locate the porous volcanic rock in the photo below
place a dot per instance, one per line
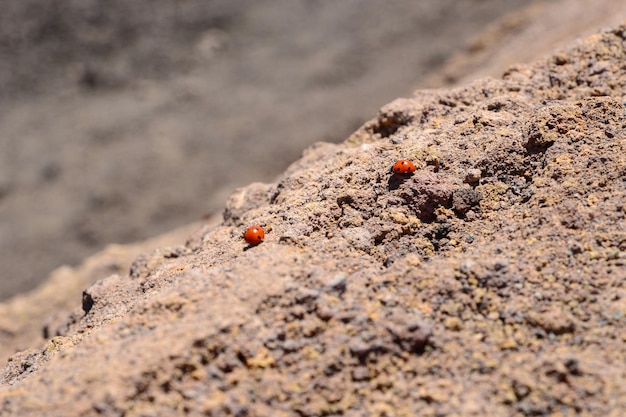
(491, 282)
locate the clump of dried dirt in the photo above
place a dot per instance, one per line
(490, 282)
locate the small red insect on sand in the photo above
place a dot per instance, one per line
(403, 166)
(254, 235)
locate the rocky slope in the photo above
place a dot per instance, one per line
(122, 122)
(489, 282)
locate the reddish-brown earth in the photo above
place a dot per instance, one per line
(119, 122)
(491, 282)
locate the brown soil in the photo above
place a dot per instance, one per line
(120, 121)
(492, 281)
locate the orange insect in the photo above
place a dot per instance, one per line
(403, 166)
(254, 235)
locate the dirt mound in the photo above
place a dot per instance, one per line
(119, 122)
(489, 282)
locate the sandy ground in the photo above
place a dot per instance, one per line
(120, 122)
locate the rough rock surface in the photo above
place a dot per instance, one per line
(122, 122)
(26, 318)
(490, 282)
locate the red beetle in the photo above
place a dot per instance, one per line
(254, 235)
(403, 166)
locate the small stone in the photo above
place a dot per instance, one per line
(325, 313)
(553, 321)
(472, 176)
(87, 302)
(575, 247)
(336, 282)
(453, 323)
(464, 199)
(560, 59)
(360, 373)
(508, 343)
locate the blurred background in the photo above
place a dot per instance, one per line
(121, 120)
